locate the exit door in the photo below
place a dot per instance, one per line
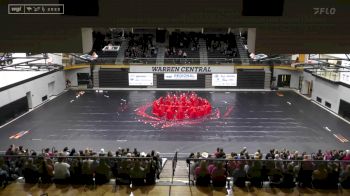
(283, 81)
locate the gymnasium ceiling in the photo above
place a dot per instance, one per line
(297, 30)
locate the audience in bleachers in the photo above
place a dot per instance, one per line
(62, 168)
(141, 46)
(281, 169)
(221, 46)
(183, 45)
(182, 48)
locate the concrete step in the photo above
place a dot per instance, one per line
(160, 55)
(167, 170)
(181, 169)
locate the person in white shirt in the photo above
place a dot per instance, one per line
(61, 170)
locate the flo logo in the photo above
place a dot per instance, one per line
(324, 11)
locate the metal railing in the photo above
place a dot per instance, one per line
(174, 163)
(183, 61)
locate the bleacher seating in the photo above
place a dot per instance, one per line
(79, 167)
(280, 169)
(180, 42)
(221, 47)
(141, 46)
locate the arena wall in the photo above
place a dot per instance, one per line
(38, 89)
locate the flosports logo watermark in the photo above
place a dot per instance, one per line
(324, 11)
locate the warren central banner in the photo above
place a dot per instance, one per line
(181, 69)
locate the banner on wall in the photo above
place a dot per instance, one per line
(345, 77)
(140, 79)
(345, 63)
(180, 76)
(224, 80)
(181, 69)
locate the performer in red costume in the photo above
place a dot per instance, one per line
(180, 115)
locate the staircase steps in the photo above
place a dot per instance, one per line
(121, 52)
(203, 52)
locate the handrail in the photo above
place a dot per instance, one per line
(174, 163)
(188, 60)
(72, 157)
(263, 160)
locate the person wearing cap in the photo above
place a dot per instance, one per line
(204, 155)
(102, 152)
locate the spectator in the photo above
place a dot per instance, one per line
(102, 172)
(345, 178)
(61, 169)
(305, 172)
(87, 171)
(47, 171)
(202, 175)
(76, 172)
(288, 177)
(138, 173)
(319, 177)
(239, 176)
(254, 174)
(30, 172)
(4, 175)
(218, 175)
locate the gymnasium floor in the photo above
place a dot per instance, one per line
(258, 120)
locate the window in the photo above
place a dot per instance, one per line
(328, 104)
(318, 99)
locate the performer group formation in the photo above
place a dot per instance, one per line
(181, 106)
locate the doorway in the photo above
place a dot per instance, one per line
(29, 99)
(309, 85)
(344, 109)
(51, 87)
(283, 81)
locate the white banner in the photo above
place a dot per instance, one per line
(140, 79)
(224, 80)
(345, 76)
(181, 69)
(345, 63)
(180, 76)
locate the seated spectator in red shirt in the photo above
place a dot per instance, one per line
(218, 175)
(202, 175)
(202, 169)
